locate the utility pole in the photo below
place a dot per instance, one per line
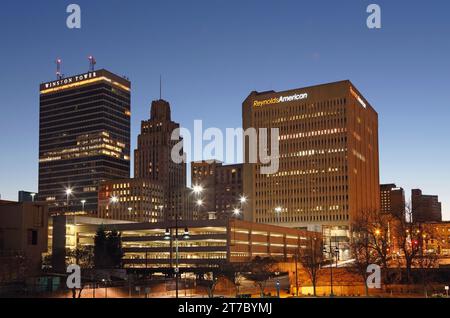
(296, 274)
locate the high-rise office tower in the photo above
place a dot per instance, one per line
(328, 158)
(84, 138)
(153, 160)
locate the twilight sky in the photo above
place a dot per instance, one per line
(213, 53)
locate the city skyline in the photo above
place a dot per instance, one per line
(399, 85)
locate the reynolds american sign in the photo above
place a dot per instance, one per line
(281, 99)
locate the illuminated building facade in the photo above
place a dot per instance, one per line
(209, 243)
(153, 161)
(437, 239)
(392, 200)
(139, 200)
(84, 138)
(328, 158)
(222, 186)
(425, 208)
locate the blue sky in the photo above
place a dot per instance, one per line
(211, 54)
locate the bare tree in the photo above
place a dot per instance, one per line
(311, 258)
(363, 244)
(233, 272)
(408, 236)
(260, 271)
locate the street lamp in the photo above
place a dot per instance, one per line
(68, 193)
(332, 253)
(32, 196)
(114, 199)
(199, 204)
(106, 287)
(83, 202)
(198, 189)
(168, 236)
(278, 211)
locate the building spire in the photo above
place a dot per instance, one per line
(160, 87)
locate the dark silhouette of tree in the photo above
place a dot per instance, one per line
(311, 258)
(233, 273)
(209, 280)
(408, 236)
(108, 250)
(100, 239)
(260, 271)
(365, 230)
(114, 249)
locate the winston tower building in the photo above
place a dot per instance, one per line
(84, 138)
(328, 159)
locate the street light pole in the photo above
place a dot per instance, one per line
(330, 254)
(278, 211)
(169, 236)
(68, 193)
(296, 274)
(176, 256)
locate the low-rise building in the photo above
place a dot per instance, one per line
(23, 239)
(139, 200)
(437, 237)
(222, 187)
(202, 243)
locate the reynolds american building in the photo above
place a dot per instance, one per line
(84, 138)
(328, 158)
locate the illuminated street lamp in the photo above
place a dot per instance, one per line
(236, 212)
(32, 196)
(278, 211)
(332, 253)
(68, 193)
(168, 236)
(198, 189)
(83, 202)
(243, 199)
(114, 199)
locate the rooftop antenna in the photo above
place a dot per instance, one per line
(58, 69)
(92, 63)
(160, 87)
